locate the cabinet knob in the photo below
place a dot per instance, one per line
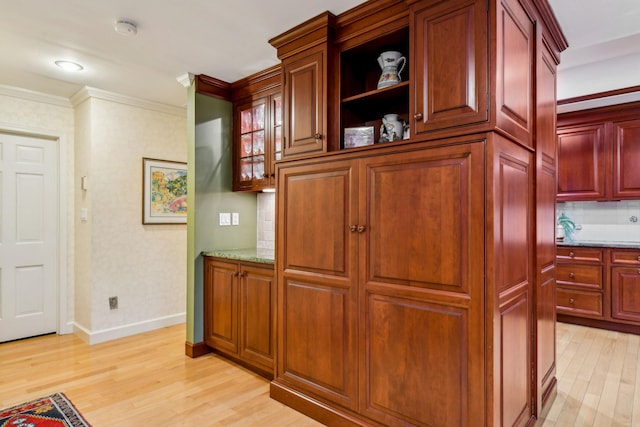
(353, 228)
(571, 254)
(360, 228)
(417, 116)
(638, 257)
(572, 301)
(571, 275)
(318, 136)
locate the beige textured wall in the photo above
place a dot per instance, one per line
(143, 265)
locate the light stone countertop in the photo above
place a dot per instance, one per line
(264, 256)
(600, 244)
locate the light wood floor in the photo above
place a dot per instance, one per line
(143, 380)
(146, 380)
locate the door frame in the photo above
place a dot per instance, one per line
(63, 325)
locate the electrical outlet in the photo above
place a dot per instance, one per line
(113, 303)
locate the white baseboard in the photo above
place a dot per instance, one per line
(96, 337)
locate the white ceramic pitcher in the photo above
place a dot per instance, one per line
(390, 63)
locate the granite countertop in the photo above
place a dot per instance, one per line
(600, 244)
(264, 256)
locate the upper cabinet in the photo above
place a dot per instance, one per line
(450, 65)
(257, 141)
(598, 154)
(306, 60)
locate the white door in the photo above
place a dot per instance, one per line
(28, 236)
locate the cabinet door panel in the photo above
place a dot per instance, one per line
(584, 146)
(317, 345)
(516, 41)
(411, 349)
(257, 322)
(221, 304)
(420, 215)
(304, 101)
(625, 293)
(626, 158)
(450, 66)
(316, 209)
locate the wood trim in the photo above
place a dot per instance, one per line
(549, 18)
(194, 350)
(600, 324)
(616, 112)
(306, 35)
(257, 83)
(599, 95)
(211, 86)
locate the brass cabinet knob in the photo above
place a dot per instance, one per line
(571, 254)
(353, 228)
(572, 301)
(638, 257)
(360, 228)
(318, 136)
(417, 116)
(571, 275)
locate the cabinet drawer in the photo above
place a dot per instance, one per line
(579, 303)
(579, 254)
(587, 276)
(625, 257)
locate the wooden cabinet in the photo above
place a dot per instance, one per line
(450, 65)
(306, 56)
(257, 141)
(599, 287)
(579, 280)
(239, 302)
(598, 151)
(416, 278)
(625, 285)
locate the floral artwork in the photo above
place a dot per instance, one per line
(164, 192)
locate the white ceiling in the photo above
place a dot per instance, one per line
(226, 40)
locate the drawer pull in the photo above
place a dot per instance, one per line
(353, 228)
(572, 301)
(572, 276)
(571, 254)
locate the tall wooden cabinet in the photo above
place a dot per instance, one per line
(416, 278)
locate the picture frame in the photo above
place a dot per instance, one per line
(359, 136)
(164, 191)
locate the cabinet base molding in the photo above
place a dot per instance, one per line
(248, 366)
(197, 349)
(330, 415)
(600, 324)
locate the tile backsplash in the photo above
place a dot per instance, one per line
(607, 221)
(266, 238)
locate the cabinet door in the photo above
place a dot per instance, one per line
(625, 293)
(304, 103)
(584, 146)
(450, 65)
(422, 284)
(317, 269)
(221, 305)
(626, 158)
(251, 166)
(257, 319)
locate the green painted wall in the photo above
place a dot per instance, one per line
(210, 162)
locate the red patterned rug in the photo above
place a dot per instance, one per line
(51, 411)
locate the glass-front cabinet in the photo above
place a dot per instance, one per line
(258, 142)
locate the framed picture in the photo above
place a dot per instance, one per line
(164, 192)
(358, 136)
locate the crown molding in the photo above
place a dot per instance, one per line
(30, 95)
(90, 92)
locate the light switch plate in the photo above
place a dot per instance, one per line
(235, 218)
(225, 218)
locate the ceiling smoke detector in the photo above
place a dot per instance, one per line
(126, 28)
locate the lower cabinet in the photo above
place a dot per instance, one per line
(239, 318)
(599, 287)
(390, 312)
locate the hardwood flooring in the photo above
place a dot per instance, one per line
(143, 380)
(147, 380)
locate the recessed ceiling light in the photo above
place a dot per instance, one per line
(69, 66)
